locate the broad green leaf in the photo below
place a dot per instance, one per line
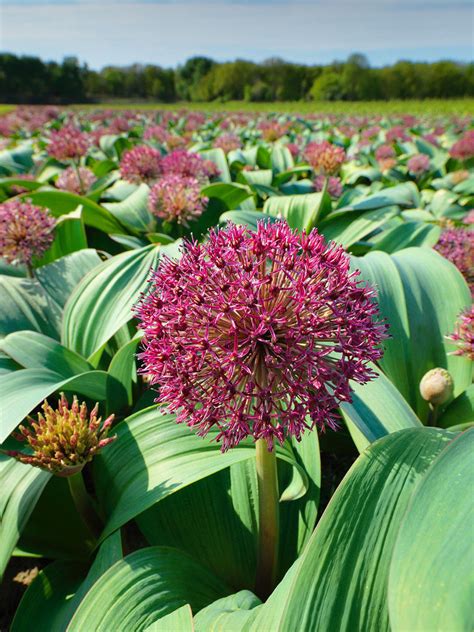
(103, 301)
(230, 613)
(181, 620)
(123, 369)
(302, 212)
(30, 185)
(17, 160)
(144, 587)
(404, 195)
(21, 486)
(61, 203)
(431, 574)
(351, 227)
(340, 581)
(262, 177)
(460, 410)
(25, 305)
(281, 158)
(231, 195)
(420, 294)
(60, 277)
(69, 236)
(36, 351)
(407, 235)
(246, 218)
(377, 409)
(23, 390)
(217, 156)
(133, 211)
(47, 599)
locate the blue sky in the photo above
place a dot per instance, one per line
(167, 32)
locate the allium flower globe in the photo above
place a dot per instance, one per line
(141, 164)
(69, 180)
(227, 142)
(324, 157)
(418, 164)
(189, 165)
(457, 245)
(258, 333)
(26, 231)
(68, 143)
(176, 199)
(334, 185)
(463, 336)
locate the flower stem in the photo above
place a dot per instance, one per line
(268, 499)
(83, 503)
(78, 174)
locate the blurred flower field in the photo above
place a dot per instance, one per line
(236, 367)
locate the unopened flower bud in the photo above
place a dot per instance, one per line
(436, 386)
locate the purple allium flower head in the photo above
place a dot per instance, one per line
(68, 143)
(258, 333)
(65, 439)
(463, 149)
(334, 185)
(324, 157)
(190, 165)
(457, 245)
(158, 133)
(227, 142)
(463, 336)
(293, 149)
(384, 151)
(141, 164)
(68, 180)
(176, 198)
(418, 164)
(396, 133)
(26, 231)
(469, 219)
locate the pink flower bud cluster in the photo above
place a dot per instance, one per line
(334, 185)
(141, 164)
(463, 149)
(68, 143)
(227, 142)
(258, 333)
(324, 157)
(26, 231)
(418, 164)
(69, 180)
(65, 439)
(463, 336)
(189, 165)
(457, 245)
(176, 198)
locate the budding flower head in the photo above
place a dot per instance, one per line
(77, 180)
(26, 231)
(463, 336)
(189, 165)
(176, 199)
(436, 386)
(68, 143)
(258, 333)
(324, 157)
(418, 164)
(65, 439)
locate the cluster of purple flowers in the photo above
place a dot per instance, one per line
(26, 231)
(324, 157)
(418, 164)
(334, 185)
(457, 245)
(176, 198)
(77, 180)
(68, 143)
(463, 336)
(188, 165)
(258, 333)
(141, 164)
(463, 149)
(227, 142)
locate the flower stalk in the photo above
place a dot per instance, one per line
(84, 505)
(269, 519)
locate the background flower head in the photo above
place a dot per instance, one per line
(176, 198)
(141, 164)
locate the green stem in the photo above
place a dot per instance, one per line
(29, 270)
(268, 500)
(433, 415)
(78, 174)
(83, 503)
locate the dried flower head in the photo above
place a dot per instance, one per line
(418, 164)
(65, 439)
(324, 157)
(141, 164)
(68, 143)
(26, 231)
(176, 198)
(69, 180)
(463, 335)
(258, 333)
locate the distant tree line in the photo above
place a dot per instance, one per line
(30, 80)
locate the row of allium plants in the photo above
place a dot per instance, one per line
(236, 371)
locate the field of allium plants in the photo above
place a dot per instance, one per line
(236, 371)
